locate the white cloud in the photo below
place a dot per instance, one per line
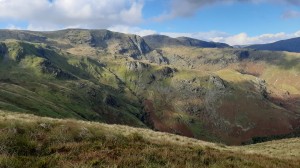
(12, 27)
(297, 34)
(237, 39)
(43, 14)
(186, 8)
(245, 39)
(290, 14)
(216, 36)
(132, 30)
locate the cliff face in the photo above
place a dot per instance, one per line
(111, 42)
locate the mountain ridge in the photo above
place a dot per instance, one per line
(157, 41)
(290, 45)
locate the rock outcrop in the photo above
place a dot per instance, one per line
(137, 66)
(217, 82)
(156, 56)
(48, 67)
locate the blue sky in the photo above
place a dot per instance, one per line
(255, 19)
(232, 21)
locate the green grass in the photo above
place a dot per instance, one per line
(30, 141)
(24, 87)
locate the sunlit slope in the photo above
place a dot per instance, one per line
(44, 81)
(31, 141)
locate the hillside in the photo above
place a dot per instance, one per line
(44, 81)
(233, 96)
(159, 41)
(291, 45)
(31, 141)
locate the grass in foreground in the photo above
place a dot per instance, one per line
(30, 141)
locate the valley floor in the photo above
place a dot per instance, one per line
(31, 141)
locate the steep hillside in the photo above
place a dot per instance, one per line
(291, 45)
(159, 41)
(234, 96)
(30, 141)
(42, 80)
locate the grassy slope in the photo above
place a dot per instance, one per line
(31, 141)
(24, 87)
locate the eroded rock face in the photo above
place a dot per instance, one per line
(157, 57)
(132, 46)
(78, 37)
(120, 44)
(137, 66)
(168, 72)
(261, 86)
(140, 44)
(218, 82)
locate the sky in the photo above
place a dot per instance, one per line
(236, 22)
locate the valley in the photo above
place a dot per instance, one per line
(214, 93)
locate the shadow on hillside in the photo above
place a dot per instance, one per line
(281, 59)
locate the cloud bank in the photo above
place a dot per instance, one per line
(237, 39)
(216, 36)
(187, 8)
(55, 14)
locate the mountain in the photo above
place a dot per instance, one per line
(112, 42)
(158, 41)
(31, 141)
(228, 95)
(291, 45)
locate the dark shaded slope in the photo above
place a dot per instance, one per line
(199, 43)
(21, 35)
(159, 41)
(291, 45)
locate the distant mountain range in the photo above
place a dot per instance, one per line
(158, 41)
(154, 41)
(291, 45)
